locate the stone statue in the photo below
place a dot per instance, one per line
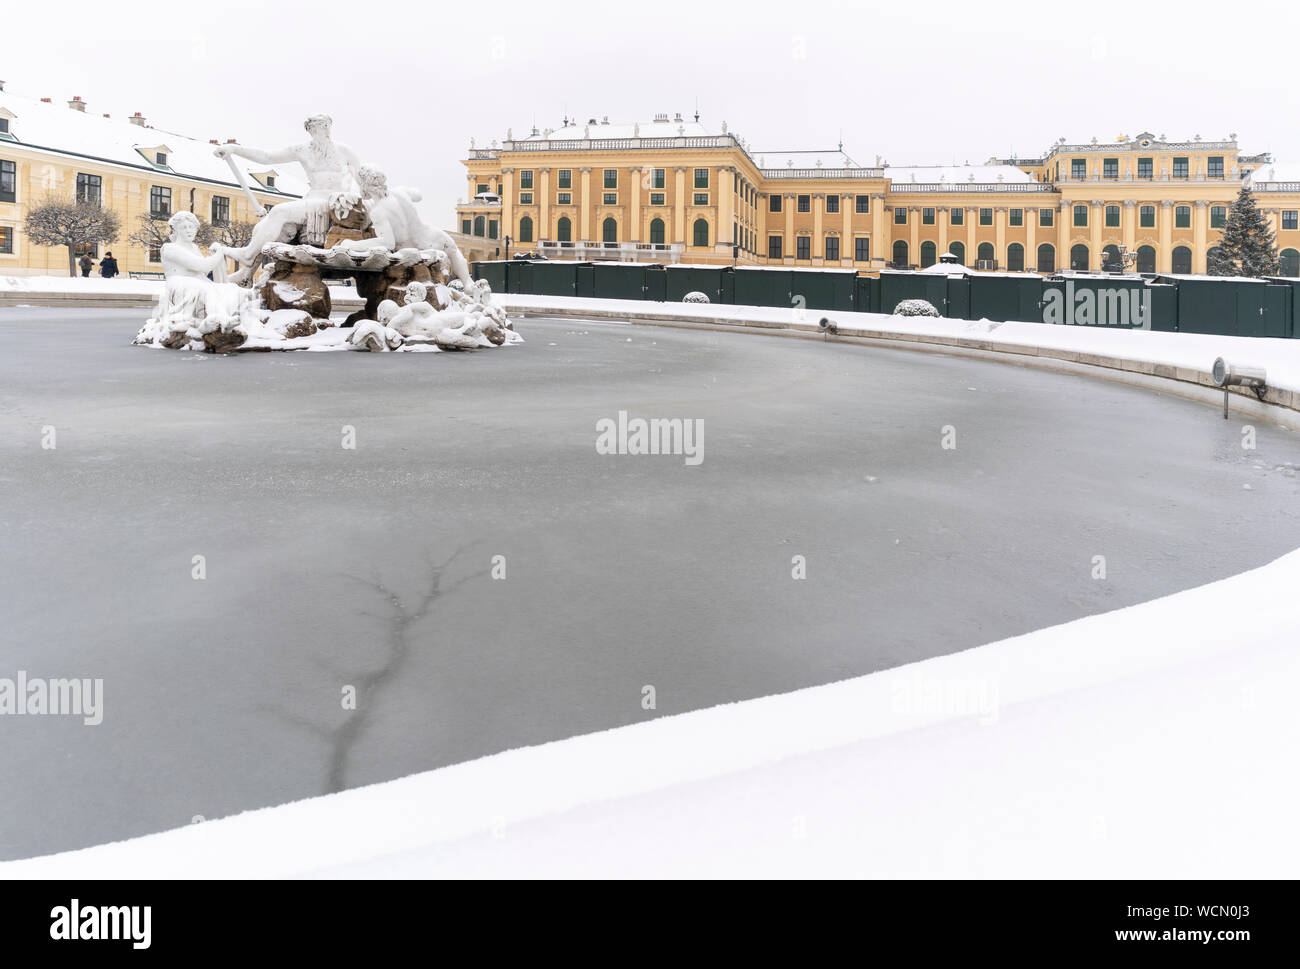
(331, 170)
(419, 320)
(397, 224)
(193, 307)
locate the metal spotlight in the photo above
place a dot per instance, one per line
(1225, 375)
(828, 326)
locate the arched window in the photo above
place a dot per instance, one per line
(1046, 258)
(1110, 259)
(900, 254)
(525, 229)
(564, 229)
(609, 231)
(1182, 259)
(928, 254)
(985, 252)
(1146, 259)
(656, 232)
(701, 232)
(1289, 261)
(1016, 257)
(1079, 257)
(479, 225)
(958, 250)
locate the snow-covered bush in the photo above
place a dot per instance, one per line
(915, 307)
(695, 297)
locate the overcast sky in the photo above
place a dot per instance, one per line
(916, 83)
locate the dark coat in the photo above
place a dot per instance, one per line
(108, 267)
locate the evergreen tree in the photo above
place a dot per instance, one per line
(1247, 247)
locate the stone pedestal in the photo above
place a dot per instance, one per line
(221, 341)
(294, 286)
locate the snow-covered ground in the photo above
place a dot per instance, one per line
(1190, 350)
(1153, 741)
(96, 284)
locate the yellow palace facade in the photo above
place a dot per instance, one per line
(65, 151)
(671, 190)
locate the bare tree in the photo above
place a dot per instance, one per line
(234, 234)
(152, 231)
(77, 225)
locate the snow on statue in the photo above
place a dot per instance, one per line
(191, 305)
(416, 284)
(398, 225)
(331, 170)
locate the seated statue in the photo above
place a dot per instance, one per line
(191, 301)
(397, 224)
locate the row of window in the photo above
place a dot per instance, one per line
(803, 203)
(984, 254)
(1145, 168)
(830, 248)
(90, 188)
(564, 179)
(957, 216)
(1047, 217)
(611, 198)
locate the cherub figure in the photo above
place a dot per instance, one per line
(419, 320)
(397, 224)
(376, 335)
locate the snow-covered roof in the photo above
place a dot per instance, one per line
(835, 158)
(53, 126)
(1276, 172)
(978, 174)
(948, 269)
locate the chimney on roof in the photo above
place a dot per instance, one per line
(107, 115)
(2, 85)
(47, 100)
(231, 141)
(213, 141)
(661, 118)
(137, 119)
(679, 116)
(76, 104)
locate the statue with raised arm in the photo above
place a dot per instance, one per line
(397, 224)
(331, 171)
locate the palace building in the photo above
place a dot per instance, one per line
(65, 151)
(671, 190)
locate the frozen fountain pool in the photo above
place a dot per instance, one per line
(372, 568)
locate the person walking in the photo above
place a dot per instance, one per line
(108, 266)
(86, 264)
